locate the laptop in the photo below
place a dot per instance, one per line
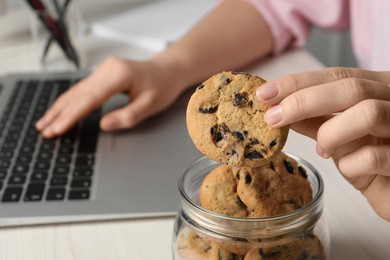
(85, 174)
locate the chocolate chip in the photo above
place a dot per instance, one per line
(248, 179)
(207, 249)
(215, 134)
(253, 155)
(238, 176)
(209, 110)
(272, 166)
(238, 135)
(231, 153)
(302, 171)
(289, 166)
(227, 81)
(304, 255)
(254, 141)
(223, 128)
(240, 99)
(200, 86)
(218, 131)
(226, 255)
(239, 201)
(268, 253)
(273, 143)
(292, 203)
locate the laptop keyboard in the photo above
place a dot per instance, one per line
(35, 169)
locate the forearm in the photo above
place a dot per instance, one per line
(230, 37)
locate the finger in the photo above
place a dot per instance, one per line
(368, 160)
(275, 91)
(68, 117)
(84, 97)
(139, 109)
(369, 117)
(325, 99)
(378, 195)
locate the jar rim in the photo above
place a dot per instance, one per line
(295, 213)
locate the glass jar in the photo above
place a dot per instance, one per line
(202, 234)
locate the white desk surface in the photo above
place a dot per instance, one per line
(356, 231)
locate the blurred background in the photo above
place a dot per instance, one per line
(331, 48)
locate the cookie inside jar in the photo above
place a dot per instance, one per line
(237, 227)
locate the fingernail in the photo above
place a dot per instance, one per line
(273, 115)
(321, 152)
(47, 133)
(58, 128)
(40, 123)
(108, 123)
(267, 91)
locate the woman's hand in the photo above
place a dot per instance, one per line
(348, 112)
(150, 86)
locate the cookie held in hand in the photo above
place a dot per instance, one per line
(225, 121)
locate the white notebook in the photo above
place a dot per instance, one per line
(153, 25)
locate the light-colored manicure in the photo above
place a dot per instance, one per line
(267, 91)
(273, 115)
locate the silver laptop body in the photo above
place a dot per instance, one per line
(135, 172)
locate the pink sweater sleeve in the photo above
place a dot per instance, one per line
(290, 20)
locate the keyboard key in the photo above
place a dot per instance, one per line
(65, 150)
(42, 165)
(12, 136)
(85, 160)
(24, 158)
(58, 181)
(63, 159)
(81, 183)
(44, 155)
(3, 174)
(12, 194)
(38, 176)
(69, 138)
(20, 169)
(79, 194)
(28, 149)
(6, 154)
(61, 170)
(17, 180)
(55, 194)
(83, 172)
(48, 144)
(30, 140)
(4, 163)
(34, 192)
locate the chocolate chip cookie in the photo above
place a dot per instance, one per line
(307, 246)
(192, 246)
(276, 188)
(225, 121)
(218, 193)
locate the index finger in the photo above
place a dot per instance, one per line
(84, 97)
(275, 91)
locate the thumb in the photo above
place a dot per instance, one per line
(130, 115)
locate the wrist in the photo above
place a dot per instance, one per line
(178, 68)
